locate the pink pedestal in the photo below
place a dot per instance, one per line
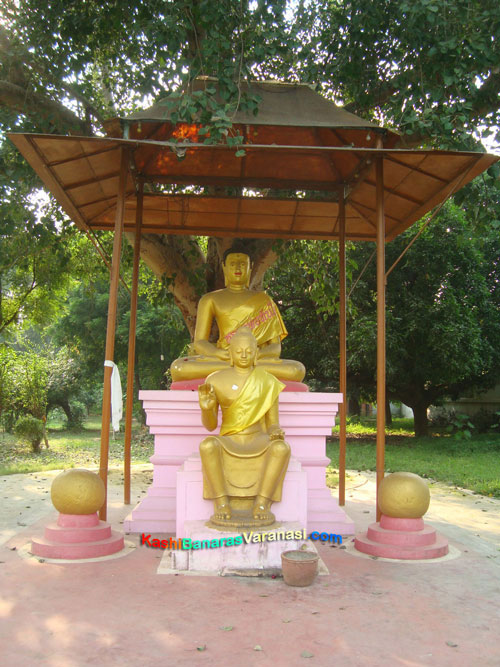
(174, 419)
(77, 536)
(192, 507)
(406, 539)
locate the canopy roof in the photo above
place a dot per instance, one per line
(283, 107)
(82, 173)
(301, 154)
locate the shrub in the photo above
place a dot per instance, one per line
(461, 427)
(485, 421)
(441, 416)
(31, 430)
(78, 415)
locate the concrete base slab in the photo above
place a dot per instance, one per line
(219, 551)
(166, 567)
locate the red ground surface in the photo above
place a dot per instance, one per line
(366, 612)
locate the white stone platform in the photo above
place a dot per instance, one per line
(245, 558)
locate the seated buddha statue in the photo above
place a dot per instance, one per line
(234, 307)
(244, 466)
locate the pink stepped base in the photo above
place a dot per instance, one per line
(175, 495)
(74, 537)
(406, 539)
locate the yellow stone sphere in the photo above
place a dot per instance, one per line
(403, 495)
(77, 491)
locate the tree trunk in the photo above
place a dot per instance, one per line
(354, 406)
(388, 413)
(142, 415)
(64, 404)
(420, 419)
(180, 261)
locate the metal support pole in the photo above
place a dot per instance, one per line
(131, 346)
(342, 351)
(111, 327)
(380, 324)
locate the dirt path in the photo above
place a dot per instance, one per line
(25, 499)
(461, 515)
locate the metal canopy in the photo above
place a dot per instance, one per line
(82, 173)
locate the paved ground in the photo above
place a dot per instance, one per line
(366, 612)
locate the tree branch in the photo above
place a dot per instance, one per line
(5, 323)
(31, 103)
(20, 67)
(178, 259)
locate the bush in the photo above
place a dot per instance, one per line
(8, 421)
(442, 416)
(78, 415)
(485, 421)
(31, 430)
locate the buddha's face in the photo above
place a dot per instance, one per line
(237, 270)
(243, 350)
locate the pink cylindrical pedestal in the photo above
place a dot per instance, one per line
(405, 539)
(74, 537)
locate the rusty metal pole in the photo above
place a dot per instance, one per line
(343, 350)
(131, 346)
(111, 327)
(379, 169)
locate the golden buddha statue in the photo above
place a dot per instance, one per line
(244, 466)
(232, 308)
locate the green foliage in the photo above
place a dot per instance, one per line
(428, 67)
(485, 421)
(443, 314)
(78, 416)
(31, 430)
(461, 427)
(73, 449)
(304, 283)
(7, 358)
(34, 273)
(470, 464)
(29, 379)
(160, 332)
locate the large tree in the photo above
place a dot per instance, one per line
(427, 68)
(443, 316)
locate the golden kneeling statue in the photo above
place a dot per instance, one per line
(232, 308)
(244, 466)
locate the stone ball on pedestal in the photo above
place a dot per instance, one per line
(403, 495)
(77, 491)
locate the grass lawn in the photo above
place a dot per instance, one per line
(71, 449)
(472, 464)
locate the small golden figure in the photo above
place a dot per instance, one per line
(232, 308)
(244, 466)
